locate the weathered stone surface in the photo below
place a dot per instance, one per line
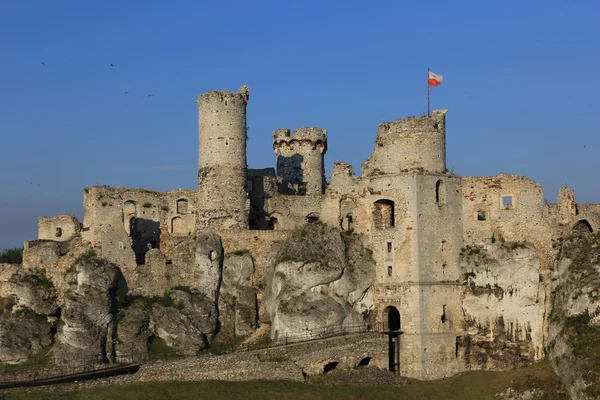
(237, 299)
(209, 264)
(315, 284)
(23, 335)
(133, 332)
(6, 272)
(88, 315)
(177, 330)
(504, 306)
(185, 320)
(31, 289)
(574, 326)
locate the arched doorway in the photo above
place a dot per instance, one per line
(582, 226)
(393, 318)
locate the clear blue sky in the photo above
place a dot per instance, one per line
(521, 80)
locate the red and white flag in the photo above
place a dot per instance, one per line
(435, 79)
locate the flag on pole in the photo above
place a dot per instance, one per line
(435, 79)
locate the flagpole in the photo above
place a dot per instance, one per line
(428, 109)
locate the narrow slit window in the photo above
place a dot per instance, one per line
(390, 270)
(389, 247)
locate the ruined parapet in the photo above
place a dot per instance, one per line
(409, 144)
(567, 209)
(300, 159)
(59, 228)
(222, 159)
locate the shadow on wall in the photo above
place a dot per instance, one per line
(292, 175)
(145, 235)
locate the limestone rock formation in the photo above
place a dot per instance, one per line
(238, 311)
(209, 264)
(22, 335)
(87, 319)
(33, 290)
(133, 332)
(503, 304)
(319, 280)
(574, 326)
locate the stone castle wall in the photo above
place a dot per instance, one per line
(59, 228)
(419, 219)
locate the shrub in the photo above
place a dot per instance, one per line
(147, 205)
(12, 256)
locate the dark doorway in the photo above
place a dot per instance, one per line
(393, 318)
(330, 366)
(364, 362)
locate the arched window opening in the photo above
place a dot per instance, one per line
(178, 226)
(182, 206)
(440, 192)
(364, 362)
(393, 318)
(273, 224)
(129, 208)
(582, 226)
(58, 232)
(383, 214)
(330, 366)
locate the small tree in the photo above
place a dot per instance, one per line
(12, 256)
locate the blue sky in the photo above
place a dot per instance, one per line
(521, 80)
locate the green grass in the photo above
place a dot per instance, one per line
(39, 360)
(470, 385)
(159, 350)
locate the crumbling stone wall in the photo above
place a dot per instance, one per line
(59, 228)
(409, 144)
(123, 224)
(300, 159)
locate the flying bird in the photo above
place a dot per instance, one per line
(43, 63)
(111, 65)
(126, 92)
(150, 95)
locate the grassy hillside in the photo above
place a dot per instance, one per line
(471, 385)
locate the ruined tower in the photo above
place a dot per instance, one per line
(409, 144)
(222, 199)
(300, 159)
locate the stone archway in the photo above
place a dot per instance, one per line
(582, 226)
(392, 318)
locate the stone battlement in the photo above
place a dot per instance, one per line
(242, 95)
(309, 134)
(411, 126)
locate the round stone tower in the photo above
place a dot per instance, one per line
(409, 144)
(222, 199)
(300, 159)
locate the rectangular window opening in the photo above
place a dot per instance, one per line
(507, 202)
(481, 215)
(389, 247)
(389, 271)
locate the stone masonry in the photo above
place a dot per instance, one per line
(421, 222)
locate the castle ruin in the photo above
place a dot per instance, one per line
(417, 216)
